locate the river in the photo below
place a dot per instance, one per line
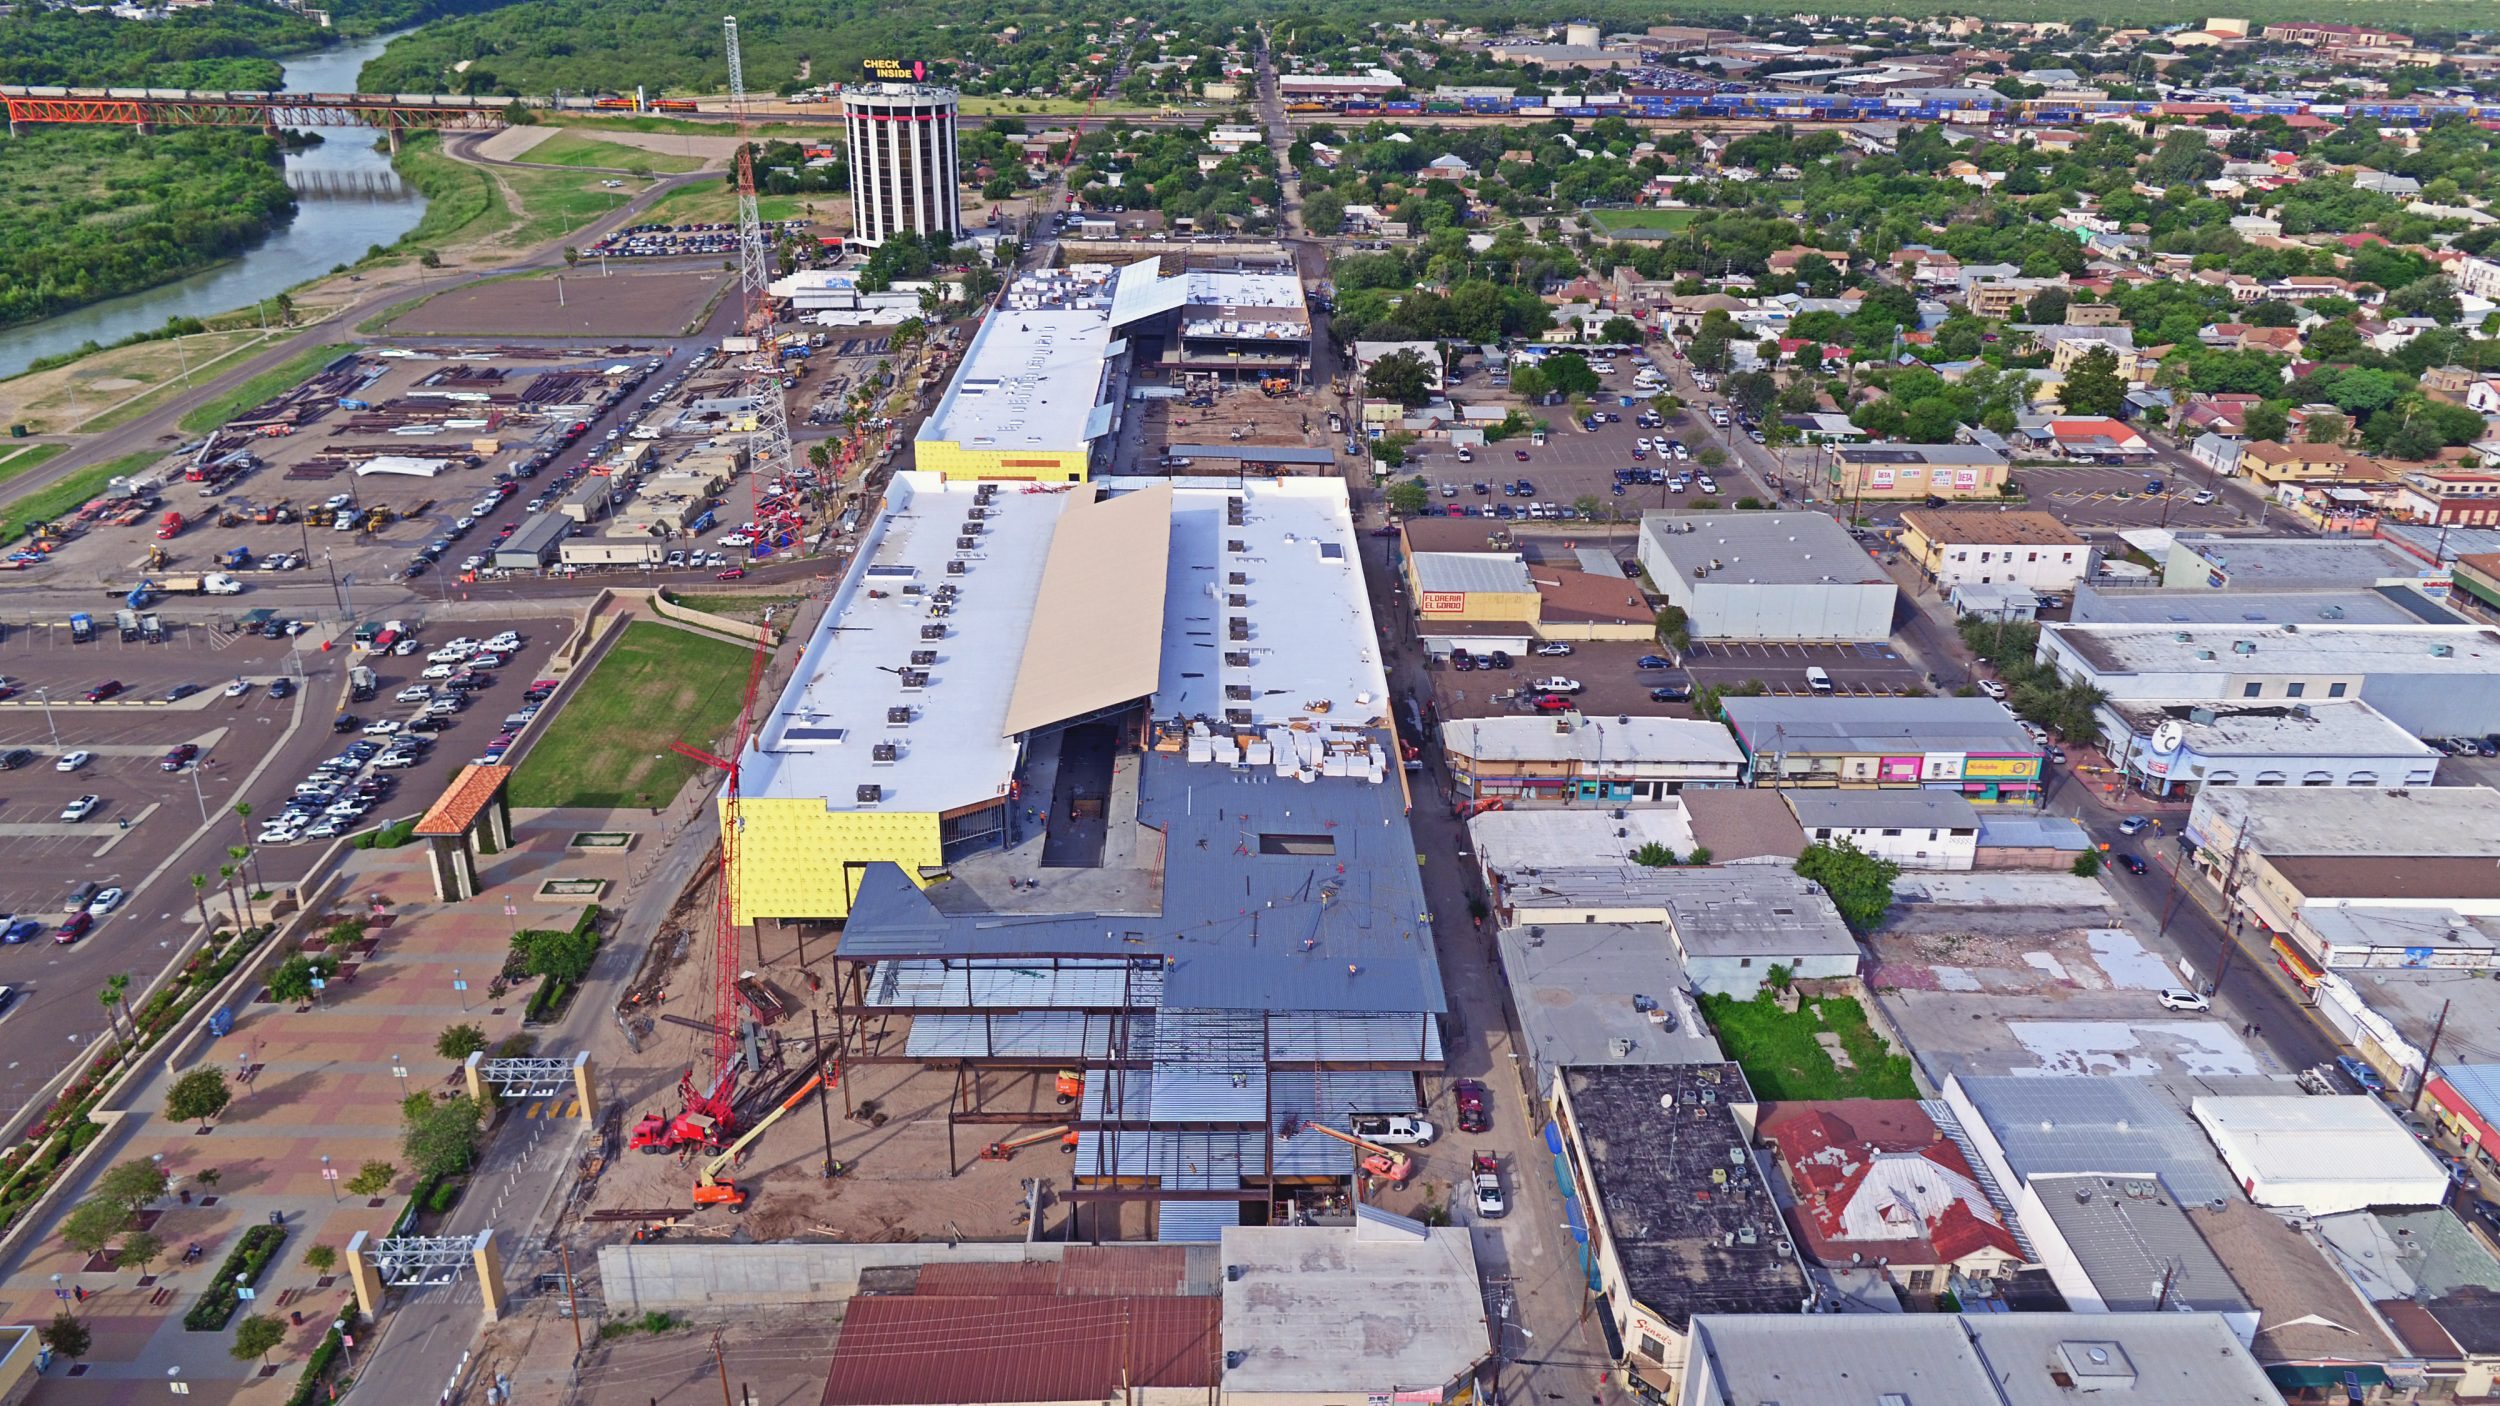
(347, 200)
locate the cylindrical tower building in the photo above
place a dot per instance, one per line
(903, 171)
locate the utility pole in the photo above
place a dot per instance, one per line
(2422, 1081)
(2230, 890)
(721, 1362)
(572, 1300)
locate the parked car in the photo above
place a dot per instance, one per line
(238, 688)
(72, 761)
(281, 688)
(73, 927)
(181, 756)
(107, 689)
(81, 808)
(1653, 661)
(2130, 863)
(2359, 1071)
(1485, 1178)
(1555, 684)
(20, 930)
(104, 903)
(2179, 998)
(1672, 693)
(1553, 649)
(1474, 1115)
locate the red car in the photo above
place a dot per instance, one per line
(104, 690)
(73, 928)
(1473, 1116)
(1552, 703)
(1520, 454)
(735, 573)
(179, 757)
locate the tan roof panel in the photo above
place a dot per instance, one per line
(1097, 632)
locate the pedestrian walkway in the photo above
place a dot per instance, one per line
(317, 1091)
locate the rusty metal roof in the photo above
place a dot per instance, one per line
(938, 1351)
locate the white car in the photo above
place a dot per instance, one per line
(238, 688)
(382, 727)
(279, 834)
(104, 903)
(447, 655)
(465, 523)
(1556, 684)
(1708, 484)
(393, 761)
(1555, 648)
(504, 643)
(737, 539)
(472, 562)
(440, 671)
(406, 647)
(325, 830)
(414, 693)
(2179, 998)
(464, 644)
(2203, 497)
(1991, 688)
(72, 761)
(1642, 444)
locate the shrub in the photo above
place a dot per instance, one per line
(444, 1196)
(2087, 864)
(251, 1255)
(311, 1386)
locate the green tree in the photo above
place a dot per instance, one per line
(139, 1250)
(440, 1136)
(2047, 307)
(1622, 331)
(133, 1185)
(372, 1179)
(66, 1336)
(293, 980)
(562, 953)
(2266, 420)
(2087, 864)
(115, 998)
(199, 895)
(1407, 498)
(1859, 884)
(1654, 855)
(2093, 385)
(321, 1259)
(198, 1096)
(95, 1224)
(1323, 212)
(2323, 428)
(1570, 373)
(1403, 376)
(459, 1042)
(256, 1335)
(1675, 627)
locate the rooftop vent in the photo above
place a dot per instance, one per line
(1237, 659)
(1622, 1049)
(1237, 628)
(898, 716)
(923, 658)
(955, 566)
(2201, 716)
(914, 679)
(870, 793)
(1236, 545)
(972, 527)
(885, 753)
(2204, 654)
(964, 544)
(1239, 717)
(2443, 651)
(933, 632)
(1237, 578)
(2243, 646)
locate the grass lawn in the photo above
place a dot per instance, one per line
(1782, 1059)
(461, 200)
(210, 414)
(679, 126)
(574, 149)
(1620, 222)
(703, 202)
(63, 497)
(609, 746)
(18, 459)
(556, 202)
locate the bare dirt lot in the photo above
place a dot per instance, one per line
(629, 302)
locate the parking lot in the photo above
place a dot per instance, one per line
(1859, 670)
(665, 241)
(1612, 683)
(2091, 495)
(625, 301)
(253, 747)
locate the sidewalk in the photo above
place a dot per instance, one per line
(309, 1084)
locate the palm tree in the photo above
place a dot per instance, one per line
(243, 818)
(199, 895)
(225, 875)
(115, 997)
(240, 853)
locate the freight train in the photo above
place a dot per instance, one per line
(1975, 106)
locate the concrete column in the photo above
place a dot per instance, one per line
(499, 820)
(489, 1264)
(364, 1275)
(586, 1089)
(453, 867)
(392, 131)
(473, 1074)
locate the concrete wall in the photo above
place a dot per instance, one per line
(1741, 977)
(1730, 610)
(642, 1278)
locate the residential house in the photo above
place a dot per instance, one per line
(2095, 437)
(1785, 262)
(2448, 497)
(1448, 168)
(2225, 413)
(2069, 345)
(2217, 452)
(2273, 463)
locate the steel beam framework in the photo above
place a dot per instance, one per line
(231, 112)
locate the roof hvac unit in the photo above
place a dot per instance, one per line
(870, 793)
(955, 566)
(923, 658)
(885, 754)
(2243, 646)
(933, 632)
(899, 716)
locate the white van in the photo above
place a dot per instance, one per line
(1817, 680)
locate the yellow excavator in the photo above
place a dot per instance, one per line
(709, 1189)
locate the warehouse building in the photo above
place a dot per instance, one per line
(1572, 757)
(1889, 471)
(2294, 564)
(1914, 828)
(2320, 1155)
(2201, 605)
(534, 546)
(1039, 394)
(2168, 1358)
(2432, 680)
(1967, 746)
(1071, 807)
(1788, 577)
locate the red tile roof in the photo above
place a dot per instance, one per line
(1835, 1153)
(458, 808)
(940, 1351)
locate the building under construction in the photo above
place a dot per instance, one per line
(1103, 782)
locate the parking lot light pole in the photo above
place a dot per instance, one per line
(196, 793)
(45, 694)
